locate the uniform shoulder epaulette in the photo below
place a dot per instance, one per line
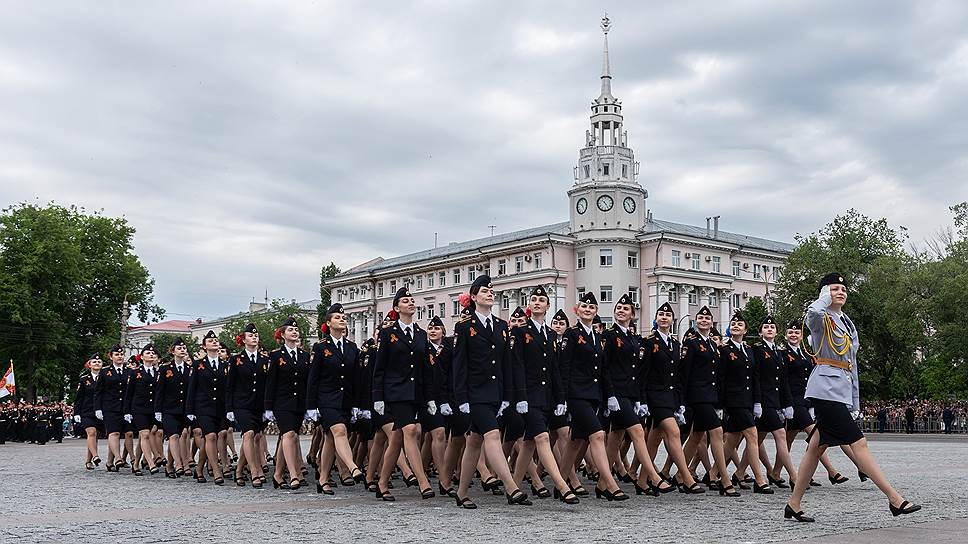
(164, 363)
(348, 341)
(387, 324)
(650, 335)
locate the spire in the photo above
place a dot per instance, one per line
(606, 95)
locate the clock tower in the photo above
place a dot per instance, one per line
(606, 194)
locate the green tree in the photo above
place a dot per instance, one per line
(325, 296)
(267, 321)
(64, 276)
(755, 313)
(881, 302)
(163, 341)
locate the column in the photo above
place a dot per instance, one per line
(682, 319)
(725, 312)
(358, 327)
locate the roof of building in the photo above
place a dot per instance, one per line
(170, 325)
(306, 306)
(654, 226)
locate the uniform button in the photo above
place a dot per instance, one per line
(714, 383)
(411, 366)
(344, 364)
(633, 366)
(294, 394)
(542, 383)
(596, 355)
(596, 368)
(340, 388)
(672, 374)
(493, 377)
(595, 380)
(545, 354)
(253, 389)
(543, 369)
(494, 362)
(747, 388)
(215, 389)
(493, 346)
(411, 379)
(670, 387)
(714, 372)
(633, 378)
(411, 353)
(777, 388)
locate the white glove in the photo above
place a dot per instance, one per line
(788, 412)
(521, 407)
(128, 418)
(230, 416)
(431, 407)
(504, 404)
(98, 414)
(811, 413)
(757, 410)
(269, 416)
(606, 412)
(645, 408)
(855, 415)
(365, 414)
(355, 412)
(312, 415)
(77, 419)
(612, 404)
(158, 416)
(681, 415)
(825, 291)
(561, 409)
(378, 406)
(638, 410)
(191, 417)
(719, 413)
(354, 417)
(466, 408)
(445, 410)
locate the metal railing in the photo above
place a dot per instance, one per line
(899, 424)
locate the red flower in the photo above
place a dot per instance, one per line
(238, 339)
(278, 335)
(392, 315)
(325, 328)
(527, 311)
(137, 357)
(464, 300)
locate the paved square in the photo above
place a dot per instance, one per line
(46, 495)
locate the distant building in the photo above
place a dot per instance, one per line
(139, 337)
(308, 309)
(610, 245)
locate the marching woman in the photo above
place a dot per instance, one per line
(285, 401)
(482, 389)
(458, 423)
(660, 354)
(799, 365)
(244, 399)
(739, 393)
(139, 409)
(330, 399)
(109, 405)
(582, 368)
(84, 409)
(560, 429)
(776, 401)
(623, 388)
(170, 393)
(433, 424)
(372, 422)
(538, 383)
(699, 372)
(205, 406)
(834, 391)
(399, 392)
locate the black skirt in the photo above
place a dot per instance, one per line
(584, 418)
(143, 422)
(114, 423)
(90, 421)
(248, 420)
(801, 419)
(738, 420)
(557, 422)
(173, 424)
(770, 421)
(484, 417)
(835, 424)
(458, 424)
(403, 414)
(430, 422)
(624, 418)
(288, 421)
(332, 416)
(656, 415)
(535, 422)
(208, 424)
(512, 425)
(704, 418)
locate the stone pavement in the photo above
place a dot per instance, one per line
(46, 495)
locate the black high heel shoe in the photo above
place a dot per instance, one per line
(324, 489)
(778, 482)
(739, 483)
(815, 483)
(568, 497)
(650, 491)
(694, 489)
(658, 487)
(410, 480)
(764, 490)
(541, 493)
(96, 460)
(863, 477)
(627, 478)
(905, 508)
(358, 475)
(837, 479)
(518, 498)
(580, 491)
(385, 495)
(466, 502)
(279, 485)
(617, 495)
(799, 516)
(427, 493)
(446, 491)
(729, 491)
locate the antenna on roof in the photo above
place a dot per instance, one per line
(267, 297)
(492, 227)
(435, 240)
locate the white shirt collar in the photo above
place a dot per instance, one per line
(538, 324)
(252, 354)
(665, 337)
(405, 327)
(737, 344)
(484, 318)
(772, 345)
(588, 330)
(624, 330)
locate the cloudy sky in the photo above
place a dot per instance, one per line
(250, 144)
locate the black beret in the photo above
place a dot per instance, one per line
(794, 326)
(482, 281)
(831, 279)
(116, 348)
(149, 347)
(223, 346)
(704, 311)
(291, 322)
(560, 316)
(666, 307)
(738, 316)
(95, 357)
(625, 299)
(401, 292)
(768, 321)
(589, 298)
(539, 291)
(335, 309)
(714, 332)
(436, 322)
(597, 319)
(251, 328)
(209, 334)
(178, 342)
(518, 313)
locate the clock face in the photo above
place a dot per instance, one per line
(581, 206)
(605, 203)
(629, 204)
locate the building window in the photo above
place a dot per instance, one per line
(587, 171)
(456, 305)
(605, 294)
(339, 296)
(712, 300)
(634, 294)
(581, 260)
(537, 261)
(605, 257)
(420, 312)
(505, 301)
(442, 276)
(695, 261)
(776, 273)
(674, 295)
(379, 289)
(430, 281)
(736, 268)
(352, 295)
(379, 317)
(393, 287)
(471, 274)
(633, 259)
(419, 282)
(605, 169)
(736, 301)
(625, 170)
(443, 308)
(675, 259)
(430, 311)
(581, 292)
(519, 264)
(716, 263)
(457, 276)
(693, 298)
(522, 299)
(756, 271)
(502, 267)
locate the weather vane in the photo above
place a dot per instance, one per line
(606, 24)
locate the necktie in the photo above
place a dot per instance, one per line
(339, 346)
(215, 364)
(408, 333)
(850, 326)
(152, 372)
(487, 325)
(543, 333)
